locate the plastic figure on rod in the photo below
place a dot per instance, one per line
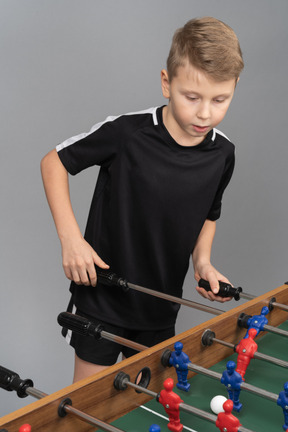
(282, 401)
(180, 361)
(226, 421)
(246, 350)
(232, 381)
(154, 428)
(258, 321)
(170, 402)
(25, 428)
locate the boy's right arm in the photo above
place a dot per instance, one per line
(79, 258)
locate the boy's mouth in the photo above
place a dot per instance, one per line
(201, 129)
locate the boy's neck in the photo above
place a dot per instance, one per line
(175, 131)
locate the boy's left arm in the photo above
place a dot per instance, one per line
(202, 265)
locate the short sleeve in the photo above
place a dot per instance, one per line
(97, 147)
(215, 210)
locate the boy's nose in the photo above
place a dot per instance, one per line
(203, 112)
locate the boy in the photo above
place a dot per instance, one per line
(158, 195)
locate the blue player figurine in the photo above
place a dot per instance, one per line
(232, 381)
(258, 321)
(154, 428)
(180, 361)
(282, 401)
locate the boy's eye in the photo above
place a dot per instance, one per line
(219, 100)
(191, 98)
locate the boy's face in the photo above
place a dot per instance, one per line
(197, 104)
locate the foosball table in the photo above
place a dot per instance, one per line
(113, 396)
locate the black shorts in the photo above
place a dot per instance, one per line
(105, 352)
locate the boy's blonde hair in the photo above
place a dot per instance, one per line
(210, 46)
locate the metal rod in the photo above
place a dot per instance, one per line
(247, 296)
(257, 355)
(259, 392)
(227, 344)
(123, 341)
(273, 303)
(280, 306)
(244, 386)
(110, 278)
(141, 389)
(91, 420)
(31, 391)
(270, 359)
(275, 330)
(198, 412)
(174, 299)
(37, 394)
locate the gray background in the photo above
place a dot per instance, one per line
(66, 65)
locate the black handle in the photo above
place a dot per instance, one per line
(225, 290)
(107, 277)
(10, 381)
(243, 320)
(79, 325)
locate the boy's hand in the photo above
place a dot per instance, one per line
(209, 273)
(79, 260)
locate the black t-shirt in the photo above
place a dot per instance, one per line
(151, 200)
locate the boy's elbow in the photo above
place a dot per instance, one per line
(44, 164)
(52, 167)
(48, 160)
(47, 166)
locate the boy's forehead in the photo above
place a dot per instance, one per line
(192, 79)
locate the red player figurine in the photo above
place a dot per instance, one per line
(25, 428)
(171, 401)
(246, 350)
(225, 420)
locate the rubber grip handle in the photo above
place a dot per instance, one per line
(225, 289)
(243, 320)
(107, 277)
(79, 324)
(10, 381)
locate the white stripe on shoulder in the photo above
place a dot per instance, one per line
(147, 111)
(76, 138)
(216, 131)
(97, 126)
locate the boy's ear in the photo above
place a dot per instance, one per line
(165, 84)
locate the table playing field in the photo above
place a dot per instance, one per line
(257, 413)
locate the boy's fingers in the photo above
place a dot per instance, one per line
(203, 293)
(214, 284)
(75, 277)
(84, 277)
(92, 275)
(83, 271)
(68, 273)
(99, 262)
(91, 271)
(215, 287)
